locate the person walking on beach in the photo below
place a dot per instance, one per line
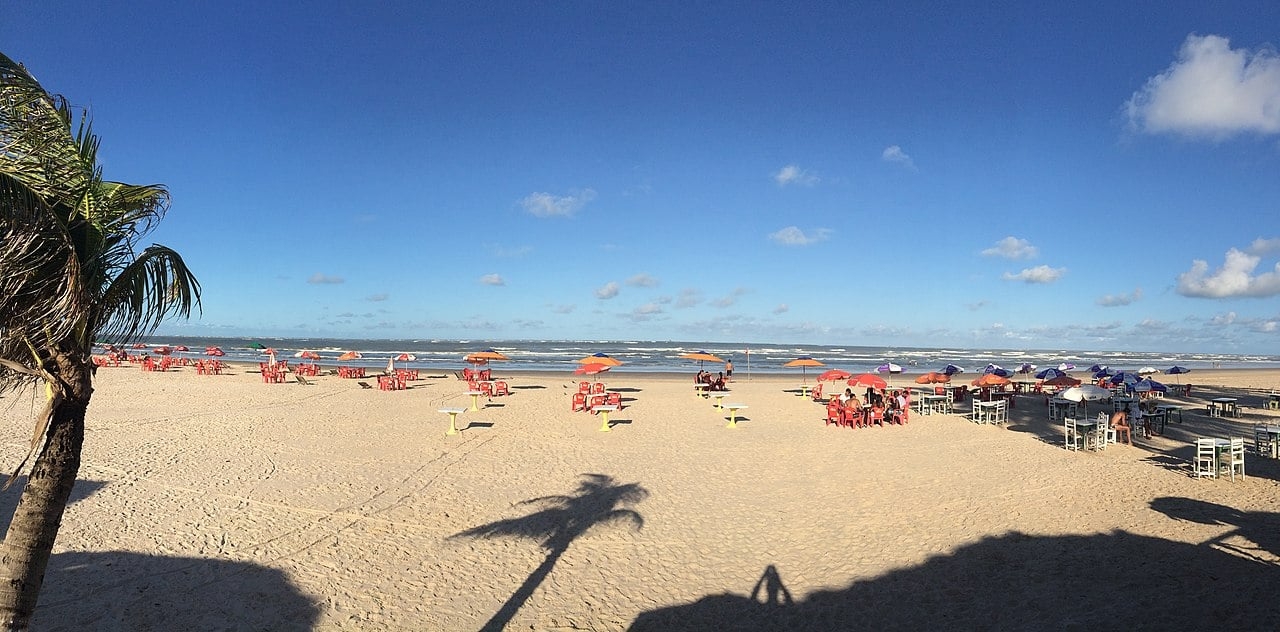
(728, 369)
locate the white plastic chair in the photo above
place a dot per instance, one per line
(1206, 463)
(1106, 434)
(1235, 457)
(1262, 443)
(1071, 439)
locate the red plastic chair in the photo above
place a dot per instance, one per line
(599, 388)
(817, 392)
(596, 400)
(487, 388)
(614, 399)
(579, 402)
(834, 413)
(501, 388)
(584, 387)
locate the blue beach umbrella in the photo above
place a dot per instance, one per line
(1177, 370)
(1104, 372)
(1026, 367)
(951, 369)
(1000, 371)
(1049, 374)
(1096, 368)
(888, 367)
(1148, 384)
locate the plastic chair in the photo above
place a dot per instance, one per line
(1206, 463)
(1235, 457)
(834, 414)
(486, 388)
(598, 389)
(1071, 438)
(579, 402)
(614, 399)
(501, 388)
(596, 400)
(584, 387)
(1262, 444)
(817, 392)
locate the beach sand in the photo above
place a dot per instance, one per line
(220, 502)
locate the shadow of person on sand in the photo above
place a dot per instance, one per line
(1116, 581)
(556, 524)
(1261, 528)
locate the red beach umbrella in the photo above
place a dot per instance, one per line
(834, 375)
(591, 369)
(214, 351)
(350, 355)
(867, 379)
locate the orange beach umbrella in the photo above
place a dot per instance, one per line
(600, 358)
(804, 362)
(591, 369)
(350, 355)
(933, 377)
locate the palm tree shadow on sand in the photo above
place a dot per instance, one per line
(558, 521)
(1111, 581)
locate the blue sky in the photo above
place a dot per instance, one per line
(1020, 176)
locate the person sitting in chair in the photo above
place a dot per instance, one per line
(1120, 422)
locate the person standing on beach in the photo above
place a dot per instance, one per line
(728, 368)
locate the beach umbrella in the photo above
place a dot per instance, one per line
(999, 371)
(1066, 366)
(867, 379)
(257, 345)
(1148, 370)
(163, 350)
(593, 368)
(213, 351)
(1048, 374)
(307, 355)
(951, 369)
(702, 356)
(488, 354)
(933, 377)
(350, 355)
(888, 367)
(834, 375)
(600, 358)
(992, 368)
(182, 348)
(987, 380)
(1175, 371)
(1125, 377)
(1085, 393)
(1148, 384)
(1026, 367)
(1104, 372)
(1096, 367)
(406, 357)
(804, 362)
(1062, 380)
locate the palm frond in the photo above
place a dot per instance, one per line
(152, 287)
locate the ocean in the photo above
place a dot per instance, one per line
(663, 356)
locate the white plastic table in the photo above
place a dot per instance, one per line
(453, 418)
(719, 395)
(475, 399)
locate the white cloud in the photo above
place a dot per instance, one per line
(648, 309)
(894, 154)
(792, 174)
(324, 279)
(726, 301)
(492, 279)
(689, 297)
(607, 291)
(547, 205)
(562, 309)
(782, 308)
(1012, 248)
(1211, 90)
(1120, 300)
(518, 251)
(642, 280)
(1264, 247)
(378, 298)
(793, 236)
(1235, 278)
(1038, 274)
(1223, 319)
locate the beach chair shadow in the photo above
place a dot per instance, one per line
(478, 424)
(365, 385)
(303, 381)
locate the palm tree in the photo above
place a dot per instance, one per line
(69, 275)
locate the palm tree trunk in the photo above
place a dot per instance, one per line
(27, 546)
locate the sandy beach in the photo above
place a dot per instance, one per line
(221, 502)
